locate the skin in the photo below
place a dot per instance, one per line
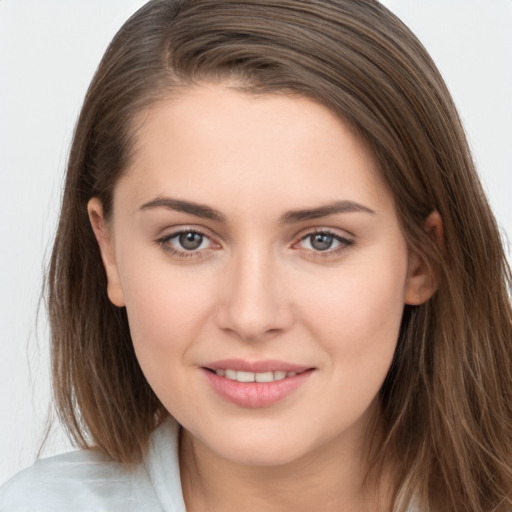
(257, 288)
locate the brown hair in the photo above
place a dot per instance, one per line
(446, 404)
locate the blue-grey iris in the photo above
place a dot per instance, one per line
(190, 241)
(321, 241)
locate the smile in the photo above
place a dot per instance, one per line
(256, 384)
(242, 376)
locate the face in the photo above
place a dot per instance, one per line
(263, 270)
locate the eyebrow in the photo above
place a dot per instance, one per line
(178, 205)
(291, 217)
(324, 211)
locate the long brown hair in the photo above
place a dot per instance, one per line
(446, 404)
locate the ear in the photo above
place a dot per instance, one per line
(421, 279)
(105, 242)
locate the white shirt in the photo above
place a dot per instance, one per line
(87, 481)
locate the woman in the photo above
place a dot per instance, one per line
(276, 282)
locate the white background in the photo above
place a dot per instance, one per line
(48, 53)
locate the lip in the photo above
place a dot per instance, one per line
(255, 394)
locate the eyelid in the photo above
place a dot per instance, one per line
(336, 232)
(345, 239)
(163, 242)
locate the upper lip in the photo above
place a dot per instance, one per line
(266, 365)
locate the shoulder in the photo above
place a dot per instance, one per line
(84, 480)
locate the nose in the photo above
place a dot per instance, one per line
(254, 304)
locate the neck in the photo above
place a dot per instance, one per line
(331, 479)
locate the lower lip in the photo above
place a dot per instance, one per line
(255, 394)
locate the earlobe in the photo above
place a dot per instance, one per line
(422, 280)
(105, 243)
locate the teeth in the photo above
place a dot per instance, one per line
(254, 377)
(230, 374)
(264, 377)
(245, 376)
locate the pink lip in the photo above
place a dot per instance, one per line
(255, 394)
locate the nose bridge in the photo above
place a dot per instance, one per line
(254, 303)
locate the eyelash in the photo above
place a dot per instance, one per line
(344, 243)
(164, 243)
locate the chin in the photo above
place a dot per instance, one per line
(258, 447)
(255, 455)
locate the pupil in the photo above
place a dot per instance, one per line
(191, 241)
(322, 242)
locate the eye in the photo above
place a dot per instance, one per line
(326, 242)
(190, 241)
(186, 243)
(321, 241)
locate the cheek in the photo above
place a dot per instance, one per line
(166, 310)
(357, 314)
(356, 322)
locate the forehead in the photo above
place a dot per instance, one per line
(216, 142)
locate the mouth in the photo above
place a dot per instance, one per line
(243, 376)
(255, 384)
